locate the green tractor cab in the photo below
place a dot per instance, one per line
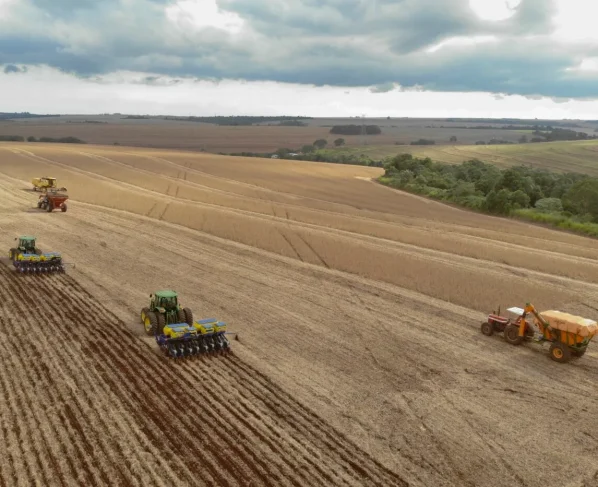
(164, 309)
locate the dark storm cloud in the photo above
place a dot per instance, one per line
(371, 43)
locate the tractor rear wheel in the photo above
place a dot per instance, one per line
(188, 316)
(151, 323)
(161, 322)
(487, 329)
(559, 352)
(512, 335)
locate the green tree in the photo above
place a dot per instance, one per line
(549, 205)
(519, 199)
(499, 202)
(307, 149)
(582, 198)
(320, 143)
(339, 142)
(523, 139)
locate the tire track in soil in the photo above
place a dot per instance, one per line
(351, 448)
(66, 395)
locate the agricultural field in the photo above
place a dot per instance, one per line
(195, 136)
(358, 307)
(567, 156)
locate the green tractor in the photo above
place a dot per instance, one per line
(164, 309)
(26, 257)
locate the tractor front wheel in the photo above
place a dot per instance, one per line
(150, 323)
(559, 352)
(487, 329)
(512, 335)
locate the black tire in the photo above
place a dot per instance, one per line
(49, 208)
(153, 323)
(188, 316)
(559, 352)
(512, 335)
(161, 322)
(181, 318)
(578, 353)
(487, 329)
(63, 208)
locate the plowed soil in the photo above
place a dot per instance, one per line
(359, 359)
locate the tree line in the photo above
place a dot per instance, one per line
(569, 200)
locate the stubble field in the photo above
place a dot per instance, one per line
(360, 360)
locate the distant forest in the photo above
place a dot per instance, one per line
(11, 115)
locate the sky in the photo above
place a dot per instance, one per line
(322, 58)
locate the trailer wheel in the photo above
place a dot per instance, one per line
(63, 208)
(559, 352)
(512, 335)
(487, 329)
(50, 207)
(578, 353)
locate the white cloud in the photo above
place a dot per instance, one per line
(46, 90)
(494, 10)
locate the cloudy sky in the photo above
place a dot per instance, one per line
(499, 58)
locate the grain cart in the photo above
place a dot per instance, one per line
(52, 200)
(27, 258)
(176, 333)
(45, 183)
(568, 335)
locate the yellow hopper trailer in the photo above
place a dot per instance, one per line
(569, 335)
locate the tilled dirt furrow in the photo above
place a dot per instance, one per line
(249, 401)
(307, 421)
(114, 334)
(68, 448)
(267, 436)
(97, 451)
(114, 342)
(18, 447)
(36, 437)
(117, 384)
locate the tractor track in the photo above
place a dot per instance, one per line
(98, 407)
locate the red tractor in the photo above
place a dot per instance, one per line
(501, 324)
(52, 200)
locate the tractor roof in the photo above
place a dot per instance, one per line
(166, 293)
(26, 237)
